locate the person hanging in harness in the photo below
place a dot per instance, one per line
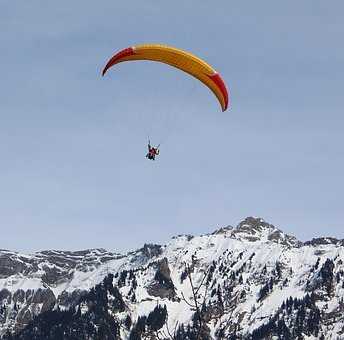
(152, 151)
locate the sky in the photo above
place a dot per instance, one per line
(73, 172)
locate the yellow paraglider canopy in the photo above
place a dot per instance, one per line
(180, 59)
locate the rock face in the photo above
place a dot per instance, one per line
(255, 229)
(151, 250)
(162, 285)
(56, 266)
(323, 241)
(248, 282)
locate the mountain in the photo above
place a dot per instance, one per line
(248, 282)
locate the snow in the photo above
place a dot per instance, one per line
(246, 250)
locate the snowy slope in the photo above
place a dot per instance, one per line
(248, 273)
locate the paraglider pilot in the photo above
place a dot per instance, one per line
(152, 152)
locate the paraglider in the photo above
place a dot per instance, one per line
(180, 59)
(152, 151)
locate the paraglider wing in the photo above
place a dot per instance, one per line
(180, 59)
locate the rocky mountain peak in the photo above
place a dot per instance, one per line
(257, 229)
(254, 223)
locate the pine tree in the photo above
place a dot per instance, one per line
(157, 318)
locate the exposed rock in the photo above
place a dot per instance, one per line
(256, 229)
(223, 230)
(323, 241)
(151, 250)
(162, 285)
(68, 299)
(9, 265)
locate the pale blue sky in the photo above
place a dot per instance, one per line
(73, 173)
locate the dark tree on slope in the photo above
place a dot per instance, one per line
(138, 329)
(157, 318)
(265, 290)
(147, 327)
(185, 334)
(327, 275)
(128, 322)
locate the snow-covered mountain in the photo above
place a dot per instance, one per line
(248, 282)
